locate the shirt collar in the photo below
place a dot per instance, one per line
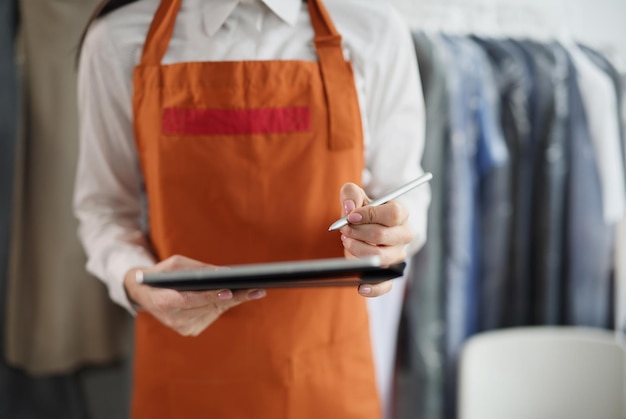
(287, 10)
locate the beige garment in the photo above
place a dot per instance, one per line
(59, 317)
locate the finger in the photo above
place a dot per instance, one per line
(241, 296)
(220, 305)
(351, 197)
(168, 300)
(388, 254)
(224, 298)
(375, 290)
(192, 321)
(178, 262)
(379, 235)
(390, 214)
(172, 300)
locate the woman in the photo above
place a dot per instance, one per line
(238, 124)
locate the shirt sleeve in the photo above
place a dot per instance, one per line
(108, 195)
(396, 118)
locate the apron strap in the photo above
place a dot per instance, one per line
(160, 33)
(337, 75)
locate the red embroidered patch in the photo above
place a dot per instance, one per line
(236, 121)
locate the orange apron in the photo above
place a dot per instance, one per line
(243, 162)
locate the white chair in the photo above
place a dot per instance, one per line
(542, 373)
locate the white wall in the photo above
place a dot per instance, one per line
(598, 23)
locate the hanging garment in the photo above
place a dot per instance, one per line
(542, 172)
(497, 206)
(549, 189)
(419, 384)
(523, 153)
(620, 281)
(9, 105)
(296, 353)
(600, 104)
(620, 237)
(59, 318)
(8, 138)
(607, 67)
(476, 147)
(589, 240)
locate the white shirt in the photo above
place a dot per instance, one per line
(109, 198)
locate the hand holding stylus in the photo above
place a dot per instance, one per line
(386, 198)
(375, 228)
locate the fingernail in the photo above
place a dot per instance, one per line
(225, 294)
(355, 217)
(343, 237)
(256, 294)
(348, 206)
(365, 289)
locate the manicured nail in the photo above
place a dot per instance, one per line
(225, 294)
(256, 294)
(365, 289)
(348, 206)
(355, 217)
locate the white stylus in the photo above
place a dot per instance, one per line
(389, 197)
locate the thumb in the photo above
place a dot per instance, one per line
(351, 197)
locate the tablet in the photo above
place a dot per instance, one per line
(331, 272)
